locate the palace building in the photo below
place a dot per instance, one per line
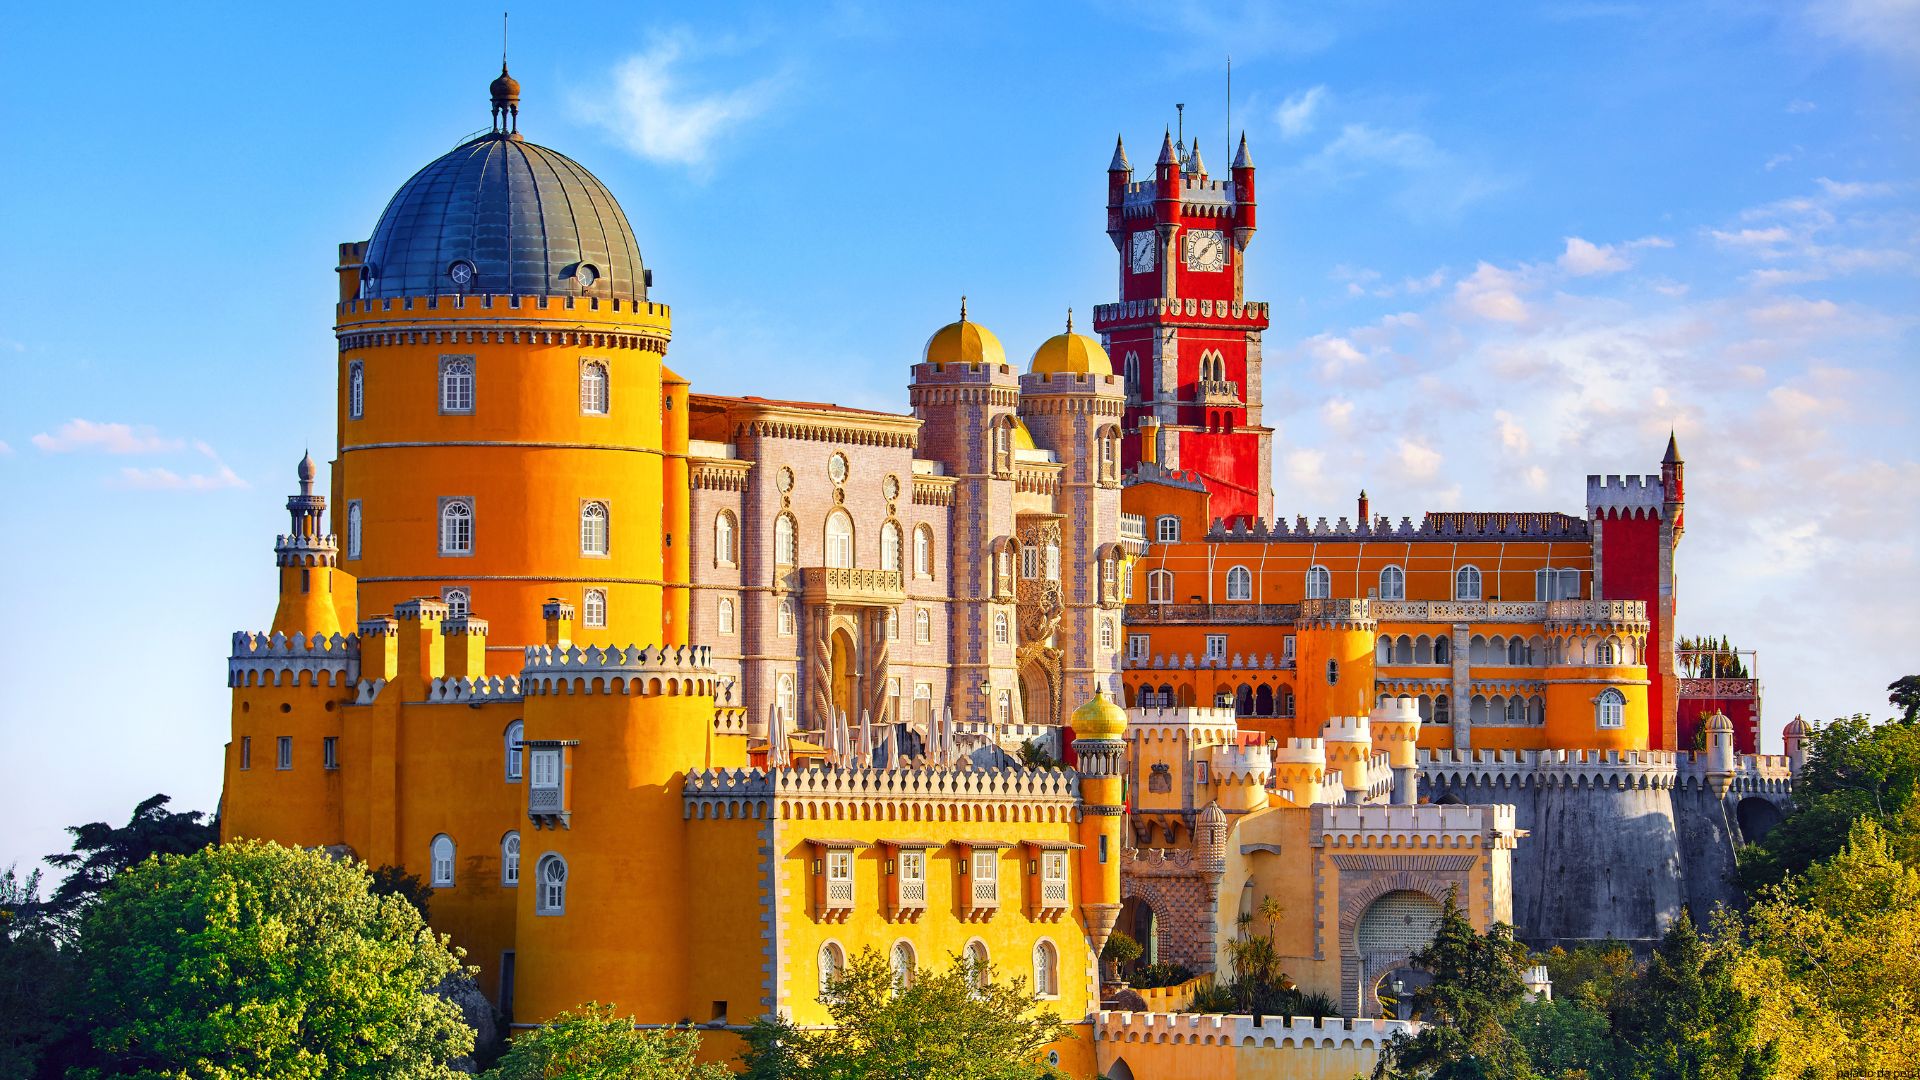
(678, 701)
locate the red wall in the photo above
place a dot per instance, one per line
(1630, 570)
(1744, 712)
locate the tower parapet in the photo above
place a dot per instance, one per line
(1299, 765)
(295, 659)
(674, 670)
(1625, 496)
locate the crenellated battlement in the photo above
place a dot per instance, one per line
(912, 793)
(1618, 769)
(1301, 752)
(1346, 730)
(293, 660)
(472, 691)
(1516, 525)
(1625, 496)
(1335, 613)
(1419, 825)
(1251, 315)
(671, 671)
(1216, 1029)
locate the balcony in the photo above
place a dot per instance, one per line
(852, 585)
(1453, 611)
(1597, 614)
(1216, 392)
(1211, 614)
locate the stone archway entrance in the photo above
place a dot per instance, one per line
(845, 678)
(1036, 695)
(1138, 921)
(1393, 927)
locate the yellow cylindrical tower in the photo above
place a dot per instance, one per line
(311, 584)
(1595, 698)
(1395, 724)
(1349, 745)
(1298, 765)
(1334, 654)
(1099, 744)
(678, 510)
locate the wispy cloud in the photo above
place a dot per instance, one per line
(79, 436)
(1882, 26)
(1434, 182)
(1493, 294)
(1584, 257)
(654, 111)
(161, 479)
(1298, 113)
(106, 438)
(5, 449)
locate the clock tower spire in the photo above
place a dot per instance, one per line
(1182, 333)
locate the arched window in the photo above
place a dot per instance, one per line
(1107, 634)
(356, 391)
(442, 861)
(1605, 653)
(1477, 710)
(1160, 587)
(1517, 651)
(1516, 710)
(783, 699)
(723, 616)
(786, 619)
(923, 551)
(593, 609)
(833, 961)
(1466, 583)
(1443, 650)
(1046, 970)
(593, 388)
(1005, 709)
(977, 963)
(1130, 370)
(459, 603)
(516, 738)
(1239, 583)
(1393, 583)
(1166, 529)
(456, 384)
(922, 626)
(353, 529)
(552, 880)
(1403, 650)
(1001, 633)
(1003, 445)
(510, 859)
(892, 546)
(456, 527)
(1383, 650)
(726, 548)
(593, 528)
(901, 961)
(893, 624)
(1611, 709)
(1319, 583)
(839, 539)
(786, 541)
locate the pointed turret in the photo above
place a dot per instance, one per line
(309, 562)
(1240, 159)
(1673, 450)
(1195, 167)
(1167, 154)
(1119, 162)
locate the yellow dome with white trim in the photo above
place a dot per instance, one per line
(1099, 718)
(964, 342)
(1072, 354)
(1023, 438)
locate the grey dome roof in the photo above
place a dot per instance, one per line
(524, 219)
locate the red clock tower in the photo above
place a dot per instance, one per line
(1183, 333)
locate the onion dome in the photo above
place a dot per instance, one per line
(498, 214)
(1022, 436)
(1798, 728)
(1071, 353)
(1099, 718)
(964, 342)
(1719, 722)
(305, 470)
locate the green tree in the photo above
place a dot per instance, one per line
(1475, 994)
(959, 1024)
(1593, 973)
(1855, 768)
(1684, 1019)
(250, 960)
(1904, 694)
(36, 981)
(395, 881)
(1566, 1039)
(101, 851)
(594, 1042)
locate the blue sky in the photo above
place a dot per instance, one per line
(1505, 245)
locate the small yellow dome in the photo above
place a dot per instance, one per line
(1071, 353)
(1099, 718)
(1022, 438)
(964, 342)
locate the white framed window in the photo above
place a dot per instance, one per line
(1239, 583)
(786, 619)
(893, 701)
(723, 616)
(1319, 583)
(922, 626)
(839, 539)
(551, 876)
(832, 962)
(516, 741)
(356, 390)
(786, 541)
(901, 961)
(284, 758)
(544, 766)
(1051, 553)
(442, 861)
(1139, 646)
(594, 394)
(1556, 584)
(923, 551)
(456, 384)
(456, 527)
(893, 624)
(892, 547)
(1046, 970)
(839, 866)
(783, 698)
(1393, 583)
(593, 609)
(1466, 583)
(1001, 632)
(726, 551)
(1610, 709)
(1604, 654)
(510, 858)
(1160, 587)
(977, 963)
(1107, 634)
(353, 528)
(1286, 649)
(1166, 529)
(1004, 710)
(923, 703)
(1216, 646)
(458, 600)
(593, 528)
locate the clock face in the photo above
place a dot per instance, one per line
(1206, 250)
(1144, 246)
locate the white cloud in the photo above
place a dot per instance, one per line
(1752, 238)
(1297, 113)
(1337, 414)
(160, 479)
(1434, 182)
(1417, 460)
(1854, 189)
(653, 113)
(1583, 257)
(1513, 438)
(1492, 293)
(1800, 106)
(1336, 354)
(1794, 312)
(1886, 26)
(5, 449)
(106, 438)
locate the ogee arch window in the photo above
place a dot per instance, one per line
(510, 859)
(593, 388)
(593, 528)
(516, 739)
(839, 539)
(456, 527)
(551, 878)
(442, 861)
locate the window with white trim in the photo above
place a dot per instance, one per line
(246, 751)
(593, 388)
(458, 600)
(923, 551)
(1610, 710)
(356, 390)
(516, 741)
(892, 546)
(442, 861)
(593, 609)
(1001, 628)
(551, 874)
(832, 962)
(1286, 649)
(922, 627)
(1239, 583)
(786, 541)
(285, 759)
(723, 616)
(783, 698)
(353, 528)
(900, 960)
(1051, 558)
(1216, 647)
(840, 539)
(1046, 970)
(510, 858)
(1166, 529)
(456, 527)
(1604, 654)
(726, 550)
(1393, 583)
(1005, 709)
(893, 624)
(1139, 646)
(1319, 583)
(786, 620)
(977, 963)
(1466, 583)
(1556, 584)
(593, 528)
(456, 384)
(1107, 634)
(330, 752)
(1160, 587)
(544, 769)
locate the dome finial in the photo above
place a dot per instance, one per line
(505, 92)
(1069, 320)
(963, 307)
(306, 472)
